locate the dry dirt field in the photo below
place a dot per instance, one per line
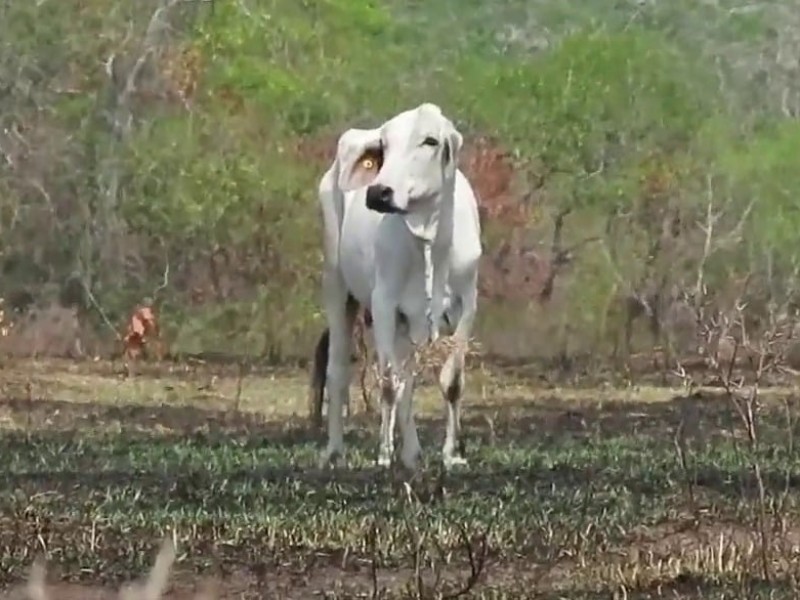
(634, 492)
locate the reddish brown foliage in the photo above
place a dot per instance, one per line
(142, 330)
(659, 178)
(230, 98)
(181, 68)
(490, 170)
(514, 272)
(318, 150)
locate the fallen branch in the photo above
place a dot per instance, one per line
(152, 588)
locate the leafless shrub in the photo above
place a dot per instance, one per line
(739, 356)
(647, 294)
(431, 560)
(726, 328)
(679, 241)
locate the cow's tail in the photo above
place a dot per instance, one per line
(319, 370)
(319, 365)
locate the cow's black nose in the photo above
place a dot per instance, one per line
(380, 198)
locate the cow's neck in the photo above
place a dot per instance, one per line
(434, 230)
(434, 224)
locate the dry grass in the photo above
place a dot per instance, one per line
(151, 587)
(585, 484)
(276, 395)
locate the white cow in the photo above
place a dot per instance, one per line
(401, 238)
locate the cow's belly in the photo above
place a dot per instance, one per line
(358, 274)
(413, 306)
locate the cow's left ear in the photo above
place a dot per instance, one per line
(360, 157)
(452, 145)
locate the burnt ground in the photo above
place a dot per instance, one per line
(581, 493)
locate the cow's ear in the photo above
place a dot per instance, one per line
(451, 146)
(360, 156)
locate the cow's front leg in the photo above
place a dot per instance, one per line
(384, 321)
(340, 311)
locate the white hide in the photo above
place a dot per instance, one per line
(418, 198)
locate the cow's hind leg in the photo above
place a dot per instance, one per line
(341, 310)
(452, 379)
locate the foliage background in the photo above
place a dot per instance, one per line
(192, 134)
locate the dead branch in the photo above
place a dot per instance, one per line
(156, 582)
(475, 548)
(640, 297)
(718, 325)
(152, 588)
(681, 447)
(731, 238)
(164, 282)
(560, 257)
(36, 588)
(100, 310)
(120, 117)
(151, 41)
(477, 559)
(372, 543)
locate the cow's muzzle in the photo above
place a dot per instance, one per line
(380, 198)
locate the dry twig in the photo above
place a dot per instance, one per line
(152, 588)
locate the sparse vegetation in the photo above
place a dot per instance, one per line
(583, 494)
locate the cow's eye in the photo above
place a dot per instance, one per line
(430, 141)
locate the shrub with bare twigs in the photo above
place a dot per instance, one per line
(744, 333)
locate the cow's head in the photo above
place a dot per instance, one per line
(407, 163)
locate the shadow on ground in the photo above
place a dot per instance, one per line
(543, 429)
